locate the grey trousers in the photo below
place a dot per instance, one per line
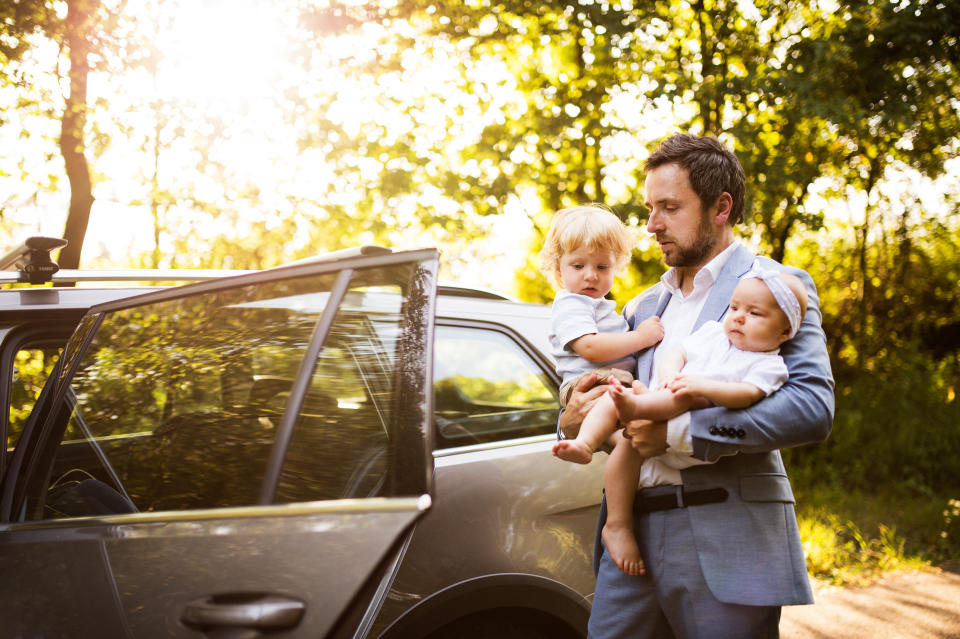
(672, 600)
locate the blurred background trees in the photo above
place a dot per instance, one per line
(244, 134)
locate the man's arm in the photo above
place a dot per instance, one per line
(800, 412)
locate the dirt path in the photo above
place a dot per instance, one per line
(905, 605)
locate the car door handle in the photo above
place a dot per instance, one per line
(258, 611)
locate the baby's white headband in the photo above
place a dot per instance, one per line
(786, 300)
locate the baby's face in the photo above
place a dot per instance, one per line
(587, 272)
(754, 320)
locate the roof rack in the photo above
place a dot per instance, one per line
(31, 262)
(32, 259)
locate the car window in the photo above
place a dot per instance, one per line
(175, 405)
(32, 366)
(487, 388)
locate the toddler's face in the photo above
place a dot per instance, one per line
(587, 272)
(754, 320)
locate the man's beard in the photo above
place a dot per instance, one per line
(695, 254)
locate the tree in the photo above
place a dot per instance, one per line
(885, 78)
(76, 38)
(75, 32)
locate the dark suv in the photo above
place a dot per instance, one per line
(338, 447)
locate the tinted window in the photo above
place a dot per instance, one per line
(487, 388)
(176, 405)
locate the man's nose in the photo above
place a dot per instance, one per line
(654, 222)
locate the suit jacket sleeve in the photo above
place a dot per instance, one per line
(800, 412)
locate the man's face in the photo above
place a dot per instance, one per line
(685, 231)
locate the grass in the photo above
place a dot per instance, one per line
(852, 538)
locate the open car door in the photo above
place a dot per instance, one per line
(241, 457)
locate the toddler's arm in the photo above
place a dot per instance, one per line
(727, 394)
(605, 347)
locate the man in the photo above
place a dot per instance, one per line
(719, 539)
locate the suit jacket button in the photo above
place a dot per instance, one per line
(741, 433)
(713, 430)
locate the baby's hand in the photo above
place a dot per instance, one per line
(691, 385)
(650, 330)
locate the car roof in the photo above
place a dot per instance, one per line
(532, 321)
(89, 288)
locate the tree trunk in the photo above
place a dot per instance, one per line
(72, 127)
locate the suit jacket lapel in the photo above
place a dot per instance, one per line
(649, 306)
(719, 297)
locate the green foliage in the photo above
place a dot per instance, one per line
(479, 389)
(843, 554)
(18, 22)
(852, 536)
(31, 368)
(893, 424)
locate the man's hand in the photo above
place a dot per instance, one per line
(648, 438)
(582, 398)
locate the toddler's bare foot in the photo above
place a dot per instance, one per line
(623, 549)
(625, 402)
(573, 450)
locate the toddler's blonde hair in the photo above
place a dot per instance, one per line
(593, 227)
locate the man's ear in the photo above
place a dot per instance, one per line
(724, 207)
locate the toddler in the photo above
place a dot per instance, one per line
(584, 248)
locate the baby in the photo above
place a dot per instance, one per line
(735, 363)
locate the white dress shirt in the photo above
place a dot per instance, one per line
(678, 318)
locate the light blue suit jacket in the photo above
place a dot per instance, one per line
(749, 546)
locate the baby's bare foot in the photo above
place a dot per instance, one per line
(624, 402)
(573, 450)
(622, 548)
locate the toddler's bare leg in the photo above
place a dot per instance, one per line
(620, 484)
(599, 424)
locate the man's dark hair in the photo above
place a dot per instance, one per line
(712, 169)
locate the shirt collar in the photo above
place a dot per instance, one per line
(706, 276)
